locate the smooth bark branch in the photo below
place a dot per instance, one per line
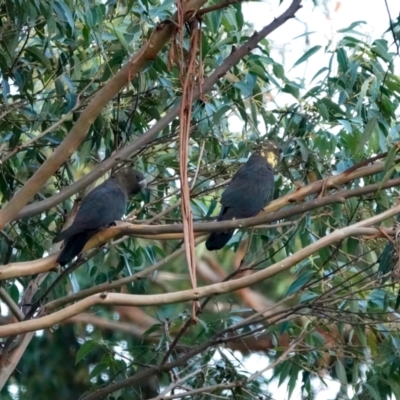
(53, 305)
(268, 215)
(152, 133)
(16, 269)
(169, 232)
(107, 299)
(158, 39)
(14, 358)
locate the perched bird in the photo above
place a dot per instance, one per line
(389, 262)
(100, 208)
(251, 189)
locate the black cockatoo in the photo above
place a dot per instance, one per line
(251, 189)
(389, 261)
(100, 208)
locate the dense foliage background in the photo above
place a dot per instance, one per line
(329, 315)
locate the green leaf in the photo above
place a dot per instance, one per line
(334, 108)
(340, 372)
(363, 92)
(368, 131)
(14, 293)
(213, 20)
(119, 34)
(98, 369)
(351, 26)
(278, 70)
(307, 296)
(153, 328)
(322, 70)
(239, 15)
(346, 124)
(37, 54)
(291, 89)
(372, 391)
(285, 372)
(355, 372)
(323, 110)
(300, 282)
(85, 349)
(64, 13)
(343, 61)
(293, 380)
(307, 55)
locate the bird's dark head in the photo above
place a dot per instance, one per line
(130, 180)
(271, 152)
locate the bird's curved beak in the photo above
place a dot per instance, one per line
(143, 183)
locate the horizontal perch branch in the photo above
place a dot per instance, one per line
(357, 229)
(169, 232)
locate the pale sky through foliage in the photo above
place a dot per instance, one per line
(323, 24)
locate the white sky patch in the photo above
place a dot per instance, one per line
(315, 26)
(289, 42)
(324, 25)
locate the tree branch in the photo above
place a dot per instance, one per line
(53, 305)
(169, 232)
(104, 299)
(219, 338)
(152, 133)
(11, 304)
(158, 39)
(14, 358)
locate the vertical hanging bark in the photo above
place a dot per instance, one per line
(187, 75)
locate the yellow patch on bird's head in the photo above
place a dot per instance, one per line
(271, 152)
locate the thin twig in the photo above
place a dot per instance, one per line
(11, 304)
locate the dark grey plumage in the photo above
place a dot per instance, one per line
(251, 189)
(389, 262)
(100, 208)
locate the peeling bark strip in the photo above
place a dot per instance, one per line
(187, 77)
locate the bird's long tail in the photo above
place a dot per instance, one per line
(217, 240)
(73, 246)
